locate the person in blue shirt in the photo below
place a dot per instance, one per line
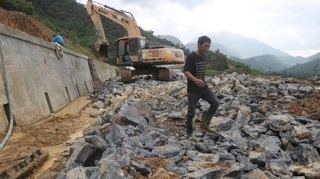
(57, 38)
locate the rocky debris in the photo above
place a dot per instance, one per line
(315, 80)
(140, 132)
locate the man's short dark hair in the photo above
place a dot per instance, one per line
(203, 39)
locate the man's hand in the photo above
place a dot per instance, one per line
(199, 82)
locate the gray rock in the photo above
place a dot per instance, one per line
(110, 169)
(118, 134)
(237, 152)
(203, 147)
(307, 154)
(147, 141)
(225, 125)
(234, 138)
(242, 118)
(287, 136)
(279, 167)
(258, 158)
(248, 166)
(292, 88)
(235, 171)
(144, 153)
(175, 115)
(316, 144)
(308, 171)
(192, 154)
(62, 175)
(80, 155)
(253, 131)
(256, 120)
(282, 86)
(179, 170)
(131, 116)
(280, 122)
(77, 172)
(226, 157)
(306, 89)
(271, 145)
(167, 151)
(270, 175)
(97, 141)
(178, 158)
(142, 107)
(141, 167)
(213, 173)
(98, 104)
(301, 132)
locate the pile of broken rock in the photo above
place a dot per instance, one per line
(140, 132)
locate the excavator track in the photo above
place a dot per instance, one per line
(163, 74)
(126, 75)
(158, 73)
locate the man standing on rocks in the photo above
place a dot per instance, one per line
(194, 70)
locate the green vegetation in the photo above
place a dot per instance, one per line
(70, 19)
(18, 5)
(302, 71)
(219, 63)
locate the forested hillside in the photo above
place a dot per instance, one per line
(302, 71)
(70, 19)
(266, 63)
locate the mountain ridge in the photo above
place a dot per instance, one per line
(234, 45)
(254, 53)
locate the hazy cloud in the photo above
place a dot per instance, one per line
(188, 4)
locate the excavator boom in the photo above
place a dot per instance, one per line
(123, 18)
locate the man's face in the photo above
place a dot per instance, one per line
(204, 47)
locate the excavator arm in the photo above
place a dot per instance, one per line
(132, 50)
(121, 17)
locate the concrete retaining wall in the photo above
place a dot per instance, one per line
(40, 82)
(104, 70)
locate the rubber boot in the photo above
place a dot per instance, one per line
(206, 119)
(189, 131)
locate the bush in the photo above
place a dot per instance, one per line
(18, 5)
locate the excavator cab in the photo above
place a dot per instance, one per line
(129, 50)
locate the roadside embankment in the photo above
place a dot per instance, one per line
(42, 77)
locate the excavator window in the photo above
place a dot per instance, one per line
(129, 49)
(123, 49)
(134, 46)
(143, 43)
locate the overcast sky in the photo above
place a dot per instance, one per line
(292, 26)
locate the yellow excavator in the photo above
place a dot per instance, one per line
(133, 50)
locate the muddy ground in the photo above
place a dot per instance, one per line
(53, 135)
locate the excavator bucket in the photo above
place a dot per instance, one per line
(103, 50)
